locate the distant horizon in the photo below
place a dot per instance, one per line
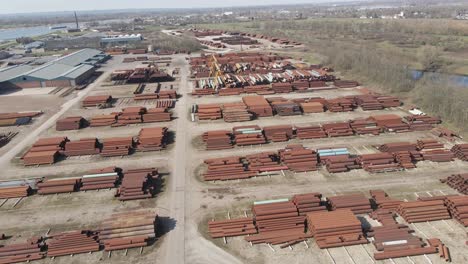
(54, 6)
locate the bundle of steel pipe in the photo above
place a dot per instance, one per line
(44, 151)
(152, 139)
(441, 248)
(310, 132)
(103, 120)
(227, 169)
(264, 162)
(345, 83)
(383, 201)
(309, 202)
(405, 159)
(159, 114)
(236, 112)
(119, 146)
(70, 123)
(458, 207)
(99, 181)
(128, 230)
(14, 191)
(365, 126)
(17, 119)
(97, 100)
(367, 102)
(398, 146)
(286, 108)
(438, 155)
(217, 140)
(53, 186)
(282, 87)
(69, 243)
(130, 115)
(357, 203)
(428, 143)
(448, 134)
(335, 229)
(209, 111)
(84, 146)
(298, 158)
(391, 122)
(339, 105)
(339, 163)
(461, 151)
(422, 211)
(312, 107)
(23, 252)
(338, 129)
(232, 227)
(458, 182)
(137, 184)
(278, 133)
(379, 162)
(248, 135)
(258, 105)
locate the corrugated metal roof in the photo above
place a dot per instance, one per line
(79, 57)
(77, 71)
(12, 72)
(49, 71)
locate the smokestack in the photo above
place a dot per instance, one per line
(76, 20)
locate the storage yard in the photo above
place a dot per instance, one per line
(235, 158)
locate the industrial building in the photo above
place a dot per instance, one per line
(121, 39)
(66, 71)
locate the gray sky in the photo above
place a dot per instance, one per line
(28, 6)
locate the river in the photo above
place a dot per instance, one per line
(14, 33)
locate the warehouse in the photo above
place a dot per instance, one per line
(66, 71)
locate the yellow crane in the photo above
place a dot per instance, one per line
(215, 70)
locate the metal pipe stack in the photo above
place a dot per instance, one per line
(312, 107)
(44, 151)
(23, 252)
(458, 182)
(99, 181)
(258, 105)
(248, 135)
(383, 201)
(218, 139)
(339, 105)
(423, 211)
(264, 162)
(458, 207)
(298, 158)
(227, 169)
(310, 132)
(119, 146)
(69, 243)
(70, 123)
(14, 189)
(137, 184)
(128, 230)
(152, 139)
(379, 162)
(209, 112)
(53, 186)
(335, 229)
(84, 146)
(345, 83)
(97, 100)
(365, 127)
(278, 133)
(338, 129)
(309, 202)
(236, 112)
(103, 120)
(357, 203)
(232, 227)
(392, 123)
(461, 151)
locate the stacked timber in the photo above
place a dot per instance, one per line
(128, 230)
(357, 203)
(458, 207)
(44, 151)
(227, 169)
(53, 186)
(310, 132)
(84, 146)
(119, 146)
(312, 107)
(99, 181)
(22, 252)
(391, 123)
(103, 120)
(137, 184)
(156, 115)
(458, 182)
(97, 100)
(298, 158)
(379, 162)
(309, 202)
(258, 106)
(152, 139)
(278, 133)
(338, 129)
(236, 112)
(383, 201)
(278, 222)
(218, 139)
(335, 229)
(232, 227)
(339, 105)
(365, 126)
(345, 83)
(423, 211)
(248, 135)
(461, 151)
(209, 111)
(428, 143)
(69, 243)
(70, 123)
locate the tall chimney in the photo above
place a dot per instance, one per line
(76, 19)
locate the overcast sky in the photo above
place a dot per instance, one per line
(28, 6)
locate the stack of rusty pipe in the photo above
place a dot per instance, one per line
(99, 181)
(339, 105)
(365, 127)
(345, 83)
(286, 108)
(70, 123)
(335, 229)
(309, 202)
(23, 252)
(339, 163)
(128, 230)
(232, 227)
(278, 133)
(91, 101)
(53, 186)
(310, 132)
(218, 139)
(69, 243)
(152, 139)
(258, 105)
(458, 182)
(15, 191)
(461, 151)
(312, 107)
(338, 129)
(236, 112)
(282, 87)
(119, 146)
(392, 123)
(84, 146)
(357, 203)
(423, 211)
(209, 112)
(103, 120)
(130, 115)
(441, 248)
(438, 155)
(264, 162)
(398, 146)
(367, 102)
(248, 135)
(137, 184)
(379, 162)
(159, 114)
(44, 151)
(422, 122)
(227, 169)
(458, 207)
(298, 158)
(429, 143)
(383, 201)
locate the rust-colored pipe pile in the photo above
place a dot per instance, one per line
(367, 102)
(209, 112)
(339, 105)
(461, 151)
(310, 132)
(379, 162)
(44, 151)
(84, 146)
(299, 159)
(264, 162)
(119, 146)
(312, 107)
(357, 203)
(159, 114)
(217, 140)
(458, 182)
(137, 184)
(258, 105)
(345, 83)
(441, 248)
(339, 163)
(52, 186)
(392, 123)
(458, 207)
(8, 192)
(99, 181)
(438, 155)
(92, 101)
(24, 252)
(152, 139)
(365, 127)
(286, 108)
(338, 129)
(282, 87)
(428, 143)
(398, 146)
(309, 202)
(128, 230)
(70, 123)
(74, 242)
(227, 169)
(103, 120)
(383, 201)
(236, 112)
(423, 211)
(130, 115)
(232, 227)
(278, 133)
(422, 122)
(335, 229)
(248, 135)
